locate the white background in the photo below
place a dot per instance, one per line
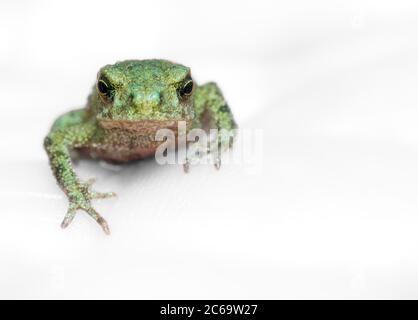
(332, 212)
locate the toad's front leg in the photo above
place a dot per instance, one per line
(58, 145)
(211, 112)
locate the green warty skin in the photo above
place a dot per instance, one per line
(130, 101)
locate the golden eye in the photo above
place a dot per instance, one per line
(104, 88)
(186, 89)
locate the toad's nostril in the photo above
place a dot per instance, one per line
(154, 98)
(137, 99)
(146, 101)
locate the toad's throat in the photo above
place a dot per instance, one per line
(140, 125)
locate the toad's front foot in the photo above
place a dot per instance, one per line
(81, 199)
(218, 145)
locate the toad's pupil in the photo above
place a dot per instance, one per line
(102, 86)
(188, 88)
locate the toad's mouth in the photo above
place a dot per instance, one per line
(141, 125)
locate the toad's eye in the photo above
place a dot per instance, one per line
(186, 89)
(104, 88)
